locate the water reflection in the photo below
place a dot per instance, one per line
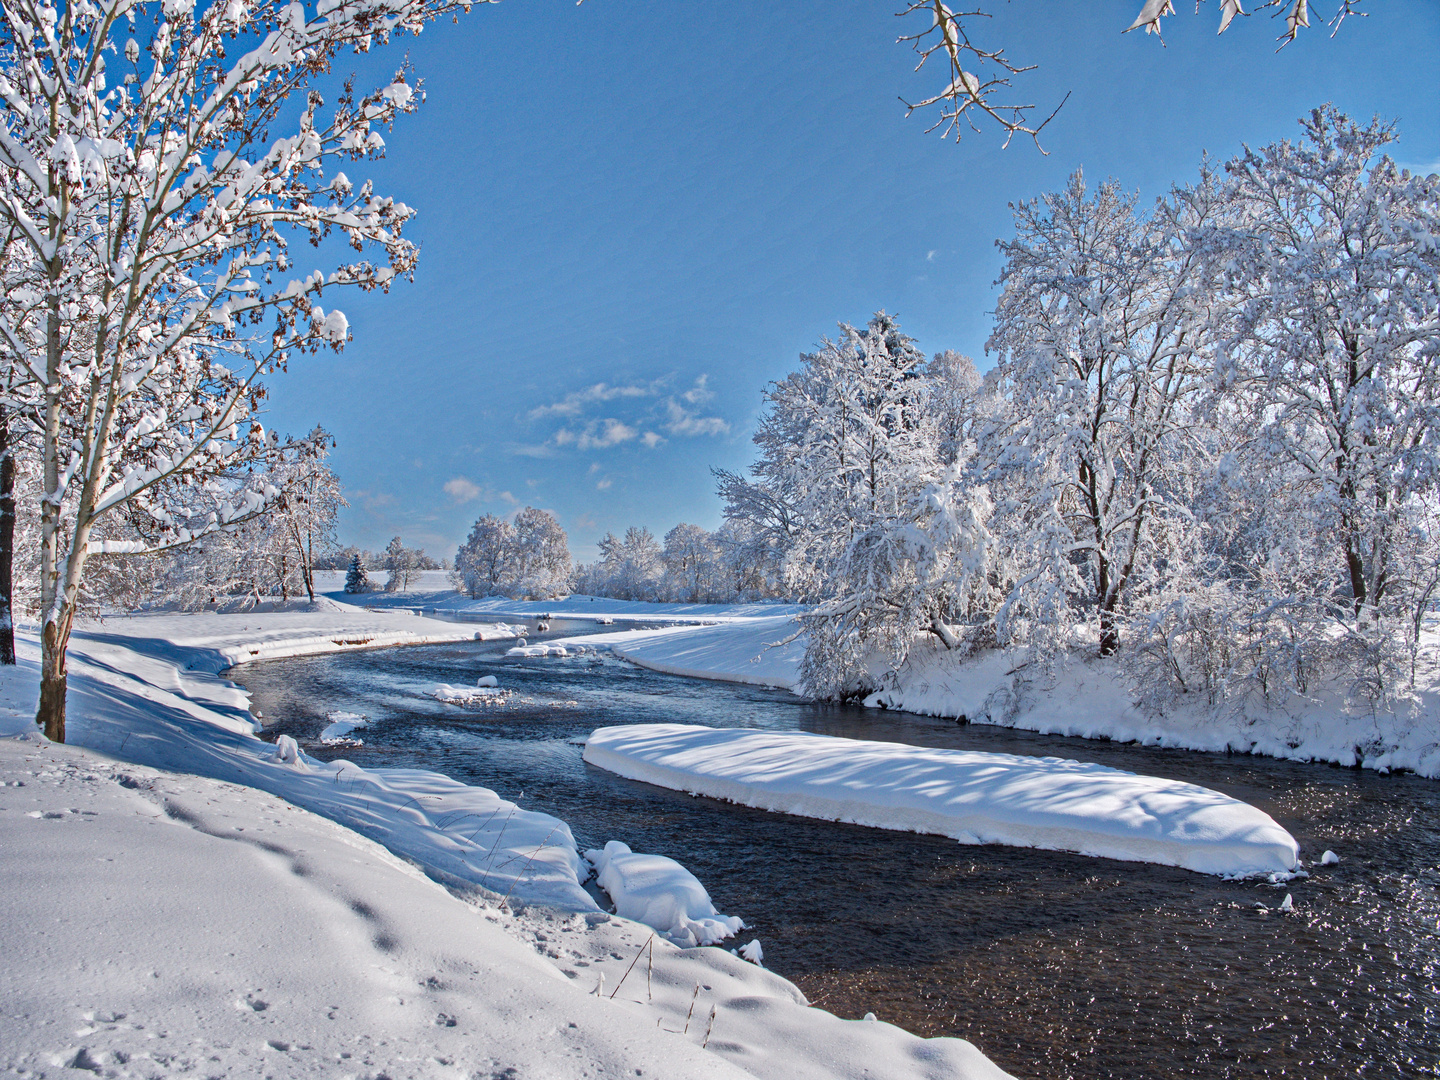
(1055, 965)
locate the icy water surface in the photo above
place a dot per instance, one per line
(1054, 965)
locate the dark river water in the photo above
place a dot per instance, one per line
(1054, 965)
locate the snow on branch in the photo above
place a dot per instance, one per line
(978, 79)
(969, 97)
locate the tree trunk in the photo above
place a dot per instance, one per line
(7, 542)
(1109, 633)
(51, 715)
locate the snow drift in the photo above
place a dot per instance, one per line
(662, 894)
(976, 798)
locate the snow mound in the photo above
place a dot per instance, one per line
(470, 695)
(662, 894)
(487, 680)
(542, 649)
(976, 798)
(287, 752)
(340, 729)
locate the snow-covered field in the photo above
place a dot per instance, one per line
(431, 589)
(181, 898)
(974, 797)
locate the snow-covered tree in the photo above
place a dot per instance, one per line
(629, 568)
(152, 204)
(540, 566)
(1318, 532)
(482, 561)
(834, 438)
(912, 570)
(752, 568)
(957, 403)
(760, 527)
(1101, 331)
(694, 573)
(862, 478)
(402, 562)
(1333, 294)
(357, 579)
(310, 500)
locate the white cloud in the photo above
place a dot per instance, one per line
(603, 484)
(573, 404)
(678, 414)
(930, 255)
(597, 435)
(461, 489)
(684, 422)
(699, 392)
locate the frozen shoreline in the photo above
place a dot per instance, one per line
(362, 964)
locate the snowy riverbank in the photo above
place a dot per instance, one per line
(761, 651)
(1090, 698)
(1084, 697)
(171, 903)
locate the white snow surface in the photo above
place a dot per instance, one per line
(470, 695)
(976, 798)
(158, 925)
(144, 689)
(659, 892)
(544, 648)
(199, 919)
(432, 590)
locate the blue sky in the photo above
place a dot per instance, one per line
(635, 213)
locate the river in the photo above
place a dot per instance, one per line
(1056, 966)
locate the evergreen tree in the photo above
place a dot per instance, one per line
(356, 579)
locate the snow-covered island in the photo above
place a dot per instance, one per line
(976, 798)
